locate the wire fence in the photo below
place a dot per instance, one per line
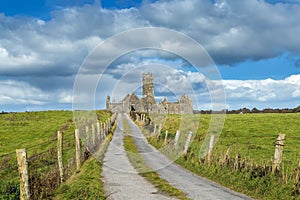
(44, 174)
(247, 150)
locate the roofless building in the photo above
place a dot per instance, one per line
(148, 104)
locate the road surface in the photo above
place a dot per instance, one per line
(194, 186)
(121, 181)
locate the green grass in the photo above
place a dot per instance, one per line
(84, 185)
(37, 132)
(28, 129)
(138, 162)
(252, 136)
(87, 183)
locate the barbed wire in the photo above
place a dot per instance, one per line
(7, 154)
(43, 155)
(47, 144)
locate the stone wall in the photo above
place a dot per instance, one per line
(148, 104)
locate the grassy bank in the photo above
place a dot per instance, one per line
(37, 132)
(84, 185)
(243, 155)
(87, 183)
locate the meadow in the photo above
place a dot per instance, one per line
(242, 157)
(37, 132)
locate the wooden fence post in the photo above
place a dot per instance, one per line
(187, 143)
(177, 137)
(98, 128)
(278, 152)
(23, 172)
(98, 133)
(107, 126)
(77, 149)
(93, 136)
(210, 147)
(154, 131)
(166, 137)
(136, 117)
(59, 155)
(87, 137)
(159, 130)
(103, 130)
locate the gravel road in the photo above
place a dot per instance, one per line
(194, 186)
(121, 180)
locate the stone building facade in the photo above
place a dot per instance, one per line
(148, 103)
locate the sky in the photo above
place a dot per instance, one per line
(253, 44)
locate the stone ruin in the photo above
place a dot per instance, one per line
(148, 103)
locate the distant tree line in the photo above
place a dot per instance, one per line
(3, 112)
(239, 111)
(253, 110)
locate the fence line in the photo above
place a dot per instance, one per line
(155, 131)
(97, 139)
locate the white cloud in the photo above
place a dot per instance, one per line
(15, 92)
(231, 31)
(296, 93)
(259, 92)
(19, 93)
(65, 97)
(239, 93)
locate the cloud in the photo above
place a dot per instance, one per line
(65, 97)
(42, 57)
(172, 83)
(258, 93)
(15, 92)
(231, 32)
(239, 93)
(22, 95)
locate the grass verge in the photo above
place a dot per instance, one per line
(84, 185)
(139, 164)
(249, 139)
(87, 183)
(37, 132)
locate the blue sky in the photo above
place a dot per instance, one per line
(255, 45)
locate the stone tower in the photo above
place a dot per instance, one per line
(108, 102)
(148, 99)
(148, 85)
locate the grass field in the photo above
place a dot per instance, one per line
(249, 138)
(37, 132)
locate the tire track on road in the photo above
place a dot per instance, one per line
(121, 181)
(194, 186)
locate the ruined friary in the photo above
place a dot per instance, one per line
(148, 103)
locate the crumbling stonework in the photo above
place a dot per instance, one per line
(148, 103)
